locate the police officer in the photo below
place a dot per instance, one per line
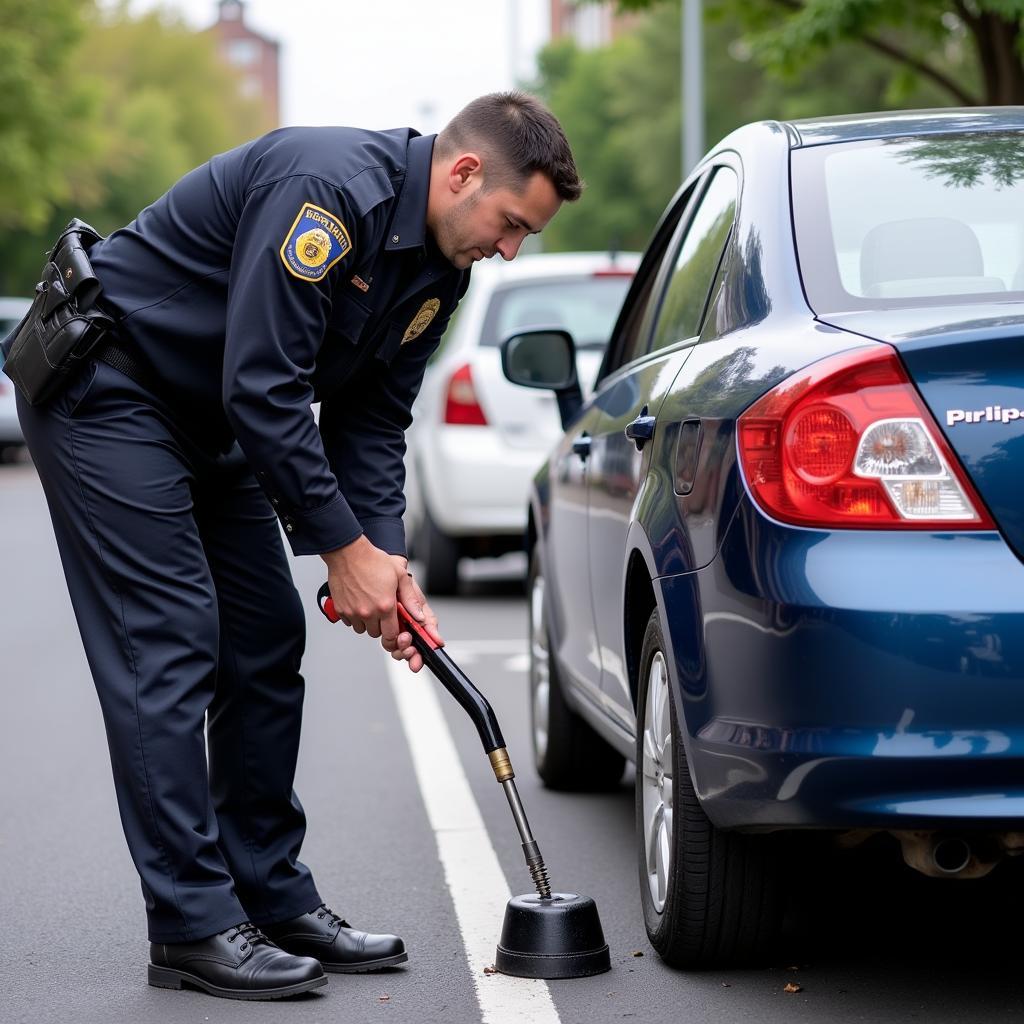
(312, 264)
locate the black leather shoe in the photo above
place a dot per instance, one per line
(240, 963)
(338, 946)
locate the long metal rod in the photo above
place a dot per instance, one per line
(480, 711)
(534, 860)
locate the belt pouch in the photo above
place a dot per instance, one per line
(62, 324)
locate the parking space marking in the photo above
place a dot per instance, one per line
(474, 877)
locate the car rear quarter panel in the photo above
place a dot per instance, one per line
(852, 678)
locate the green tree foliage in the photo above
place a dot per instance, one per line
(160, 102)
(972, 50)
(620, 106)
(47, 110)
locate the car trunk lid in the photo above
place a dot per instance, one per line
(968, 365)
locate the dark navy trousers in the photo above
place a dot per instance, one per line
(194, 632)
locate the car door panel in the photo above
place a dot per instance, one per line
(623, 479)
(618, 473)
(567, 566)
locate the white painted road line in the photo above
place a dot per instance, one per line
(471, 869)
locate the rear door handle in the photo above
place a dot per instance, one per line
(581, 445)
(640, 430)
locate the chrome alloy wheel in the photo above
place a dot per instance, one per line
(540, 671)
(656, 781)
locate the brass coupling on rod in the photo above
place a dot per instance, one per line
(501, 764)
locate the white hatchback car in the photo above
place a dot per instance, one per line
(476, 439)
(11, 311)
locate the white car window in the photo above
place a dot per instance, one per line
(585, 306)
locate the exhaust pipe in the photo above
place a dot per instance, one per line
(942, 855)
(951, 855)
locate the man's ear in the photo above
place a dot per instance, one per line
(464, 171)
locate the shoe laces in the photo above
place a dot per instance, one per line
(247, 931)
(336, 920)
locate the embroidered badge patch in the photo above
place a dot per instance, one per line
(421, 321)
(315, 243)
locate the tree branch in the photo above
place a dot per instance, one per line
(920, 66)
(900, 55)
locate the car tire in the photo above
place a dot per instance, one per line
(439, 554)
(567, 753)
(711, 897)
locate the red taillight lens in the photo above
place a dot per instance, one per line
(461, 405)
(848, 442)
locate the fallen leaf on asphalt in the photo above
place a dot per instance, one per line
(638, 952)
(726, 984)
(490, 970)
(791, 986)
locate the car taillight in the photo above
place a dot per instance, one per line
(848, 442)
(461, 405)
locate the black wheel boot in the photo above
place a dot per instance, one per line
(239, 963)
(339, 947)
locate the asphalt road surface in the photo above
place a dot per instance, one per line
(416, 837)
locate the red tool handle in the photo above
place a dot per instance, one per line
(454, 680)
(405, 620)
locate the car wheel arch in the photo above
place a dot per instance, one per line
(639, 601)
(641, 595)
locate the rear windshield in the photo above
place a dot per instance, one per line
(584, 306)
(915, 221)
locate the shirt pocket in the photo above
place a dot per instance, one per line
(388, 348)
(348, 318)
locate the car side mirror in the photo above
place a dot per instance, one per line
(545, 359)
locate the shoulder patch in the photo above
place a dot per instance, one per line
(316, 242)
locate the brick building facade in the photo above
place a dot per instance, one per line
(255, 57)
(590, 24)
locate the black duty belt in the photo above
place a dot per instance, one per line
(132, 365)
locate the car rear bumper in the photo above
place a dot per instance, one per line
(852, 679)
(474, 483)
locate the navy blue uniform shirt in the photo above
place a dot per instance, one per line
(295, 268)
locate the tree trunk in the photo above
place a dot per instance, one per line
(997, 41)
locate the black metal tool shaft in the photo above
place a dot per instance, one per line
(476, 705)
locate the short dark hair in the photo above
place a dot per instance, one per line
(520, 135)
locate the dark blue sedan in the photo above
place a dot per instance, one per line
(776, 559)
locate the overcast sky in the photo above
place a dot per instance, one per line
(389, 63)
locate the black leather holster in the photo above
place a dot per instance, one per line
(63, 324)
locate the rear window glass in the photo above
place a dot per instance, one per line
(913, 221)
(584, 306)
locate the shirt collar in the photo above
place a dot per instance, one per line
(409, 225)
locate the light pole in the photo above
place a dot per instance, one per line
(692, 83)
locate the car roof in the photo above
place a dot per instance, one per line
(552, 264)
(818, 131)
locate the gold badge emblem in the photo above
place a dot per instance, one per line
(313, 247)
(421, 321)
(316, 241)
